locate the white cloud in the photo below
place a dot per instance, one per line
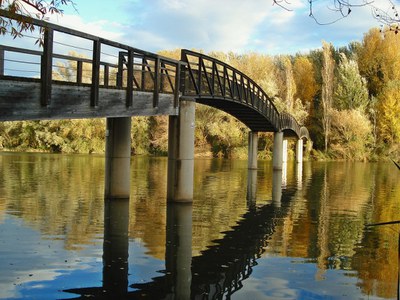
(226, 25)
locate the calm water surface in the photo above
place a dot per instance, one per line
(244, 237)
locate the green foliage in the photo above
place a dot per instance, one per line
(67, 136)
(351, 89)
(222, 132)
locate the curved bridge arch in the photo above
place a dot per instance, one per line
(292, 128)
(214, 83)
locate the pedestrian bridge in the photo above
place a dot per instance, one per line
(117, 81)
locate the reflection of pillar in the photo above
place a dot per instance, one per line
(178, 256)
(284, 175)
(277, 187)
(118, 158)
(277, 152)
(251, 188)
(299, 151)
(299, 175)
(115, 247)
(252, 149)
(181, 153)
(284, 151)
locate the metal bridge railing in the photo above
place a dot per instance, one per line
(208, 77)
(130, 68)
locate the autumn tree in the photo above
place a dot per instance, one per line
(351, 134)
(389, 114)
(304, 78)
(379, 59)
(327, 90)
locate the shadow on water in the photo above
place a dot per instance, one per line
(219, 270)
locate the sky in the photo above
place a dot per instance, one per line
(218, 25)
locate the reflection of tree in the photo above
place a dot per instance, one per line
(51, 194)
(376, 262)
(340, 199)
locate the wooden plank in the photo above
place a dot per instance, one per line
(19, 100)
(47, 67)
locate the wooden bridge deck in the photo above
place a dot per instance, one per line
(21, 100)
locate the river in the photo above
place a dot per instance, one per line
(249, 239)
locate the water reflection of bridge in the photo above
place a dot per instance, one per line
(219, 271)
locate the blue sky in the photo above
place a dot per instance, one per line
(217, 25)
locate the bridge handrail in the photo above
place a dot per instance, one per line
(239, 85)
(155, 64)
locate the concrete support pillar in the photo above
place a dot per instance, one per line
(178, 255)
(115, 247)
(181, 153)
(285, 151)
(252, 150)
(118, 158)
(278, 151)
(299, 151)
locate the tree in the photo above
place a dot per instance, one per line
(351, 89)
(39, 9)
(304, 78)
(327, 90)
(351, 134)
(388, 114)
(379, 59)
(285, 81)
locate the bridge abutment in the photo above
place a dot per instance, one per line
(181, 153)
(118, 158)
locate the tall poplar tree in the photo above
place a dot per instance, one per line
(327, 73)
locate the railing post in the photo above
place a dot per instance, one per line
(177, 84)
(79, 71)
(162, 79)
(106, 75)
(156, 81)
(224, 81)
(2, 61)
(47, 66)
(142, 84)
(214, 69)
(129, 83)
(199, 74)
(120, 69)
(94, 97)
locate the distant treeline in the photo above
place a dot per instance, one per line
(349, 98)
